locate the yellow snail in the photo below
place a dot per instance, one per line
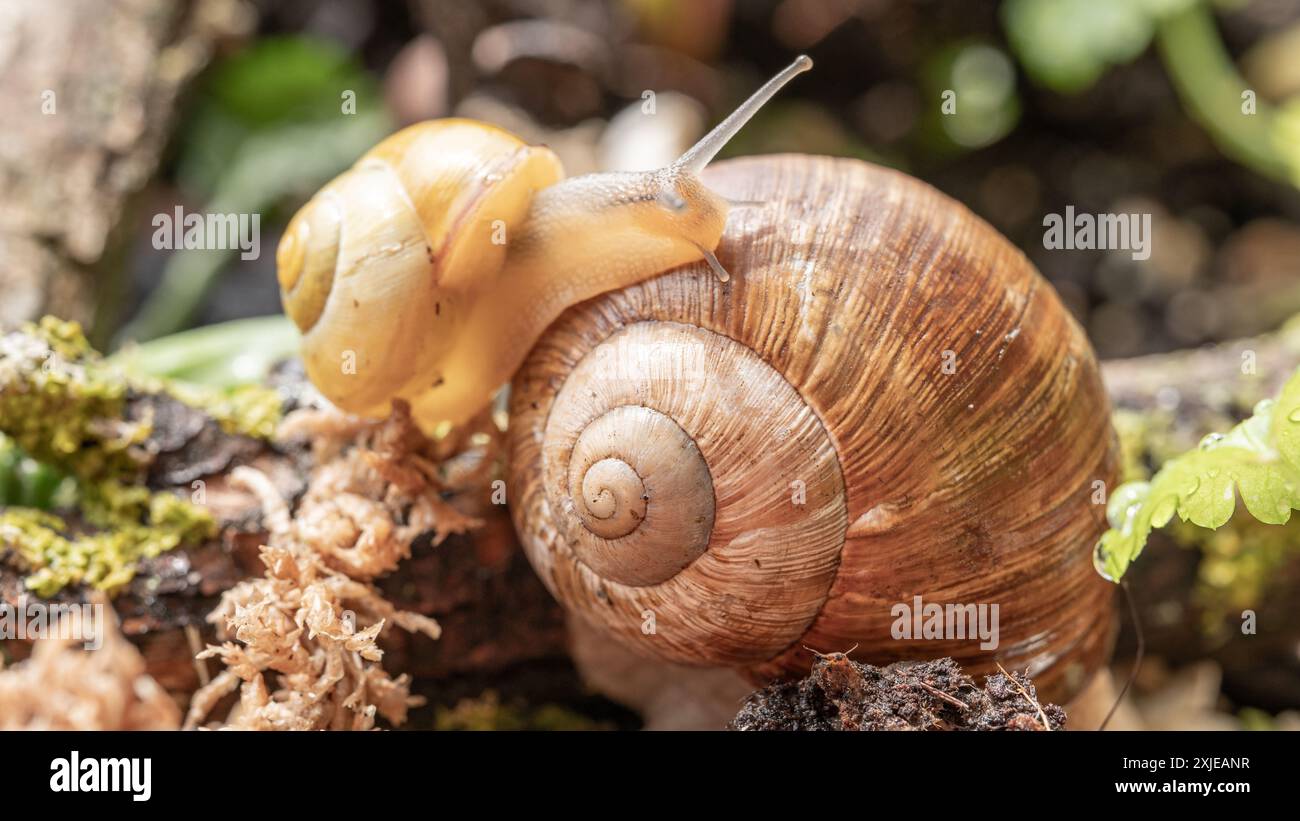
(428, 269)
(885, 406)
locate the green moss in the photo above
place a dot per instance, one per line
(488, 713)
(130, 524)
(253, 410)
(1252, 718)
(1238, 564)
(1135, 431)
(62, 404)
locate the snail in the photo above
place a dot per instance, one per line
(427, 270)
(884, 401)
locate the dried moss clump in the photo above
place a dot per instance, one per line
(300, 645)
(64, 405)
(65, 686)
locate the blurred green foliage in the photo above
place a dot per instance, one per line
(1067, 45)
(226, 356)
(26, 482)
(975, 83)
(276, 86)
(1263, 136)
(273, 123)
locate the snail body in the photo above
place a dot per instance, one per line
(887, 400)
(427, 270)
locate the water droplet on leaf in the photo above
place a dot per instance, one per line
(1099, 557)
(1124, 503)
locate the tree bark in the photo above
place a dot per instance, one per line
(1202, 387)
(89, 92)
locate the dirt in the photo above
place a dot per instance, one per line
(842, 694)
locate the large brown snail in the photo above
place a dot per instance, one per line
(884, 401)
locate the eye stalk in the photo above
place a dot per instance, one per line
(714, 265)
(690, 164)
(700, 154)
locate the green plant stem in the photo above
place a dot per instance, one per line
(225, 355)
(1210, 87)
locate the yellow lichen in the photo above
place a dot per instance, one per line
(131, 524)
(486, 712)
(62, 404)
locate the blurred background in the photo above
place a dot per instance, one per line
(1105, 105)
(1187, 110)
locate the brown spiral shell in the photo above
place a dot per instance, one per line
(741, 473)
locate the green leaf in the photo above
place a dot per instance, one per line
(1258, 459)
(280, 79)
(1286, 422)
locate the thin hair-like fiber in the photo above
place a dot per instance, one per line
(1137, 656)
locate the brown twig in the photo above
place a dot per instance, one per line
(941, 695)
(196, 646)
(1047, 725)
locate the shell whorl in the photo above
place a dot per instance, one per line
(620, 461)
(661, 498)
(380, 267)
(822, 363)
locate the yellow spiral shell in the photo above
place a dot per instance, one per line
(379, 267)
